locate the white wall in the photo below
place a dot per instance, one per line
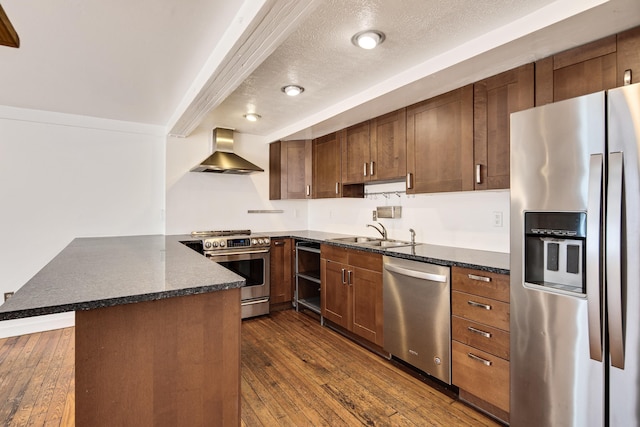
(212, 201)
(64, 176)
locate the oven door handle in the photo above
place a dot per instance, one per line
(216, 254)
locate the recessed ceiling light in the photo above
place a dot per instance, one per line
(252, 117)
(368, 39)
(293, 90)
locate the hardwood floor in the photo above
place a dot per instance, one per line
(294, 373)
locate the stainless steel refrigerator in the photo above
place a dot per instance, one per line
(575, 262)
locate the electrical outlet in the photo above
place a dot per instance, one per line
(497, 219)
(374, 215)
(7, 295)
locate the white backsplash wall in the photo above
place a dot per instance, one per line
(212, 201)
(464, 219)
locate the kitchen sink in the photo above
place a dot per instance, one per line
(372, 242)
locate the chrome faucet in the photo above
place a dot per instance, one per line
(413, 236)
(383, 231)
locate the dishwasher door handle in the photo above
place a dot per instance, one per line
(416, 274)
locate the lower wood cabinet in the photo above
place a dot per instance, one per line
(480, 333)
(281, 273)
(352, 291)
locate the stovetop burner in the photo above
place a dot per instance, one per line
(221, 233)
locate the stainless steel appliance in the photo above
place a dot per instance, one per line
(575, 262)
(417, 315)
(247, 255)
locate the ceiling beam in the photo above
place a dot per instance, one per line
(229, 65)
(8, 35)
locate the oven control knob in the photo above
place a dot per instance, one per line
(254, 242)
(266, 241)
(207, 245)
(215, 244)
(222, 244)
(260, 241)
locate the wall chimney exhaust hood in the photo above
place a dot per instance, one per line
(223, 159)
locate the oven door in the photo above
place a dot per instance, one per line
(254, 268)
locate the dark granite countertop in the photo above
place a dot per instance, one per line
(107, 271)
(496, 262)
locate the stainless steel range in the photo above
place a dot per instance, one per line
(246, 255)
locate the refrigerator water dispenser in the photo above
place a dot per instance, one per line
(555, 251)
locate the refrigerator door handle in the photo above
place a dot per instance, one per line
(594, 251)
(614, 258)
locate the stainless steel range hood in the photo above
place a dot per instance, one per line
(223, 159)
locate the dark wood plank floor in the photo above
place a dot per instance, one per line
(294, 373)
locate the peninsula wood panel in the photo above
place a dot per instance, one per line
(169, 362)
(440, 143)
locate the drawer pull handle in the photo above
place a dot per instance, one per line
(308, 190)
(479, 332)
(344, 278)
(365, 168)
(479, 278)
(479, 359)
(278, 243)
(479, 305)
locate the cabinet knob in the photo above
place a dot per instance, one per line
(371, 170)
(409, 181)
(308, 190)
(364, 169)
(478, 176)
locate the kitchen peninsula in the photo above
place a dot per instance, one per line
(157, 330)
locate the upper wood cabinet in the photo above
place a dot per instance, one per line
(376, 150)
(326, 166)
(290, 170)
(628, 57)
(440, 143)
(494, 100)
(388, 142)
(356, 154)
(596, 66)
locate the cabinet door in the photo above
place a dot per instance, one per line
(627, 55)
(290, 170)
(335, 295)
(494, 100)
(367, 315)
(440, 143)
(281, 277)
(585, 69)
(389, 146)
(326, 166)
(356, 154)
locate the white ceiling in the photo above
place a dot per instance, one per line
(157, 61)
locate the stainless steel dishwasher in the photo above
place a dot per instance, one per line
(417, 315)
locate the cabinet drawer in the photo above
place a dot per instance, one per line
(481, 374)
(483, 283)
(366, 260)
(479, 309)
(483, 337)
(334, 253)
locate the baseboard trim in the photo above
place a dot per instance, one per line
(30, 325)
